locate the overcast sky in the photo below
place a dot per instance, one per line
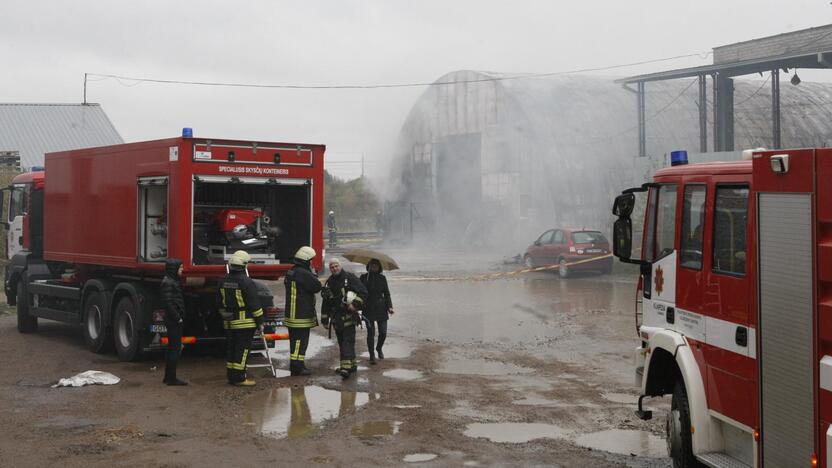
(46, 47)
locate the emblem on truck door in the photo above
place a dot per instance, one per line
(658, 282)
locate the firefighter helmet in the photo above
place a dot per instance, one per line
(305, 253)
(239, 258)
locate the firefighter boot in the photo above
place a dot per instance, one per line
(246, 383)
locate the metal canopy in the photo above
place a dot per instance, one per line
(807, 48)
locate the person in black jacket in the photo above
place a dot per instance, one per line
(174, 314)
(242, 314)
(342, 309)
(301, 286)
(379, 307)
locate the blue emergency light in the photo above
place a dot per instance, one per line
(187, 132)
(678, 158)
(36, 168)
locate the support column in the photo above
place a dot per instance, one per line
(642, 123)
(715, 105)
(725, 113)
(775, 109)
(703, 115)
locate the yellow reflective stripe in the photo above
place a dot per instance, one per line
(222, 293)
(257, 313)
(296, 353)
(294, 300)
(241, 303)
(242, 314)
(245, 357)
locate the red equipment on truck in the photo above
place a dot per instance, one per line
(735, 299)
(89, 235)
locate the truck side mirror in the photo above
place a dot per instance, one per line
(622, 238)
(623, 206)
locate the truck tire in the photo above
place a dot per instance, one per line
(563, 268)
(677, 427)
(98, 336)
(26, 323)
(127, 330)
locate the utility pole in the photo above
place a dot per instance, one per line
(362, 165)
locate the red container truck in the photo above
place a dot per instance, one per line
(89, 235)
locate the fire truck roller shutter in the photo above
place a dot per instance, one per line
(674, 344)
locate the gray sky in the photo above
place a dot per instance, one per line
(47, 46)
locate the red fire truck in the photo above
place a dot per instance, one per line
(89, 235)
(734, 305)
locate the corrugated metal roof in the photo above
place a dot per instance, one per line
(36, 129)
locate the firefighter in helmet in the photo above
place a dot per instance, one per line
(242, 314)
(344, 295)
(301, 286)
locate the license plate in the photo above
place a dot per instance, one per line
(593, 250)
(158, 328)
(272, 323)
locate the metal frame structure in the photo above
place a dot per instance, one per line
(808, 48)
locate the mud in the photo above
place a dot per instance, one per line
(542, 361)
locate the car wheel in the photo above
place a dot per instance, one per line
(527, 260)
(563, 268)
(98, 336)
(677, 428)
(26, 323)
(127, 330)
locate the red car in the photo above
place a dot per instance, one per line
(564, 246)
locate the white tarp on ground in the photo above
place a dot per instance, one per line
(90, 377)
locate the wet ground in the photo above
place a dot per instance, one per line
(526, 370)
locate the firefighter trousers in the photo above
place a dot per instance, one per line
(238, 344)
(346, 345)
(298, 341)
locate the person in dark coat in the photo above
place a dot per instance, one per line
(379, 307)
(301, 317)
(344, 296)
(174, 316)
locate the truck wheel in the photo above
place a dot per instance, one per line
(563, 268)
(677, 427)
(127, 330)
(26, 323)
(98, 336)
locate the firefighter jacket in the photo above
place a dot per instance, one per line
(172, 297)
(301, 287)
(239, 304)
(378, 297)
(334, 308)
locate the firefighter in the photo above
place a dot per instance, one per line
(344, 296)
(240, 308)
(174, 301)
(301, 286)
(333, 229)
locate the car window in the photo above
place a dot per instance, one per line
(693, 223)
(588, 237)
(546, 237)
(558, 237)
(730, 226)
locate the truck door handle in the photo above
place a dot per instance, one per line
(741, 337)
(670, 315)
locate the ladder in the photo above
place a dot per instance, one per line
(264, 353)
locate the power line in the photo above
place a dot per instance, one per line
(121, 79)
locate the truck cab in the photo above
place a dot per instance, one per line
(730, 303)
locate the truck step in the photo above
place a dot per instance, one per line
(721, 460)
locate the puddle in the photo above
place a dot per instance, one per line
(481, 367)
(625, 442)
(419, 457)
(540, 401)
(407, 406)
(298, 411)
(403, 374)
(394, 350)
(376, 429)
(514, 432)
(623, 398)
